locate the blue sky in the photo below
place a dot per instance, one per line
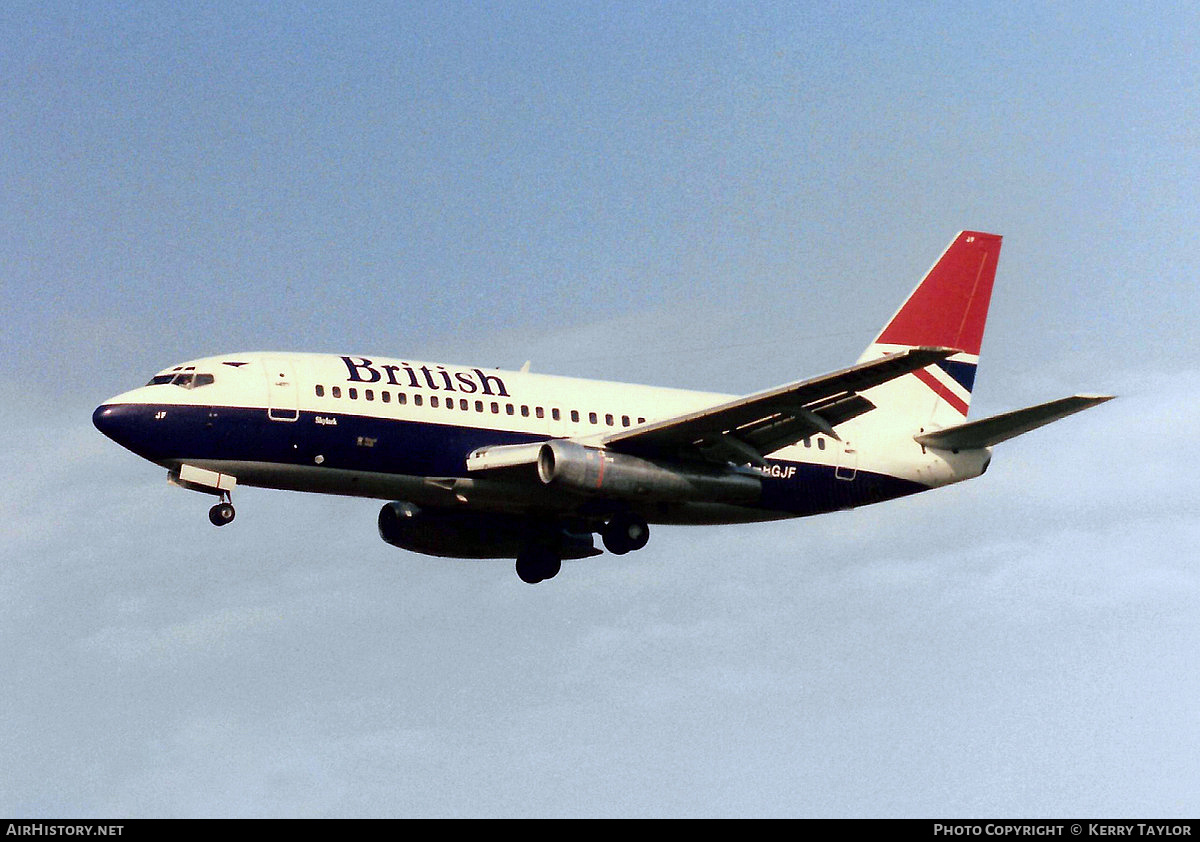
(709, 196)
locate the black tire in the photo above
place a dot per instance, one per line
(638, 533)
(550, 567)
(527, 571)
(624, 534)
(536, 564)
(613, 536)
(221, 514)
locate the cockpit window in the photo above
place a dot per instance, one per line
(188, 379)
(192, 380)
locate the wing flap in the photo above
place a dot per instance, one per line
(801, 422)
(989, 431)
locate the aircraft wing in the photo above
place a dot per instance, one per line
(746, 429)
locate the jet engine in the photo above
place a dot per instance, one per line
(457, 534)
(589, 470)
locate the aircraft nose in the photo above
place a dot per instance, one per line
(135, 426)
(116, 421)
(105, 419)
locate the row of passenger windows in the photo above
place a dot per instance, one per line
(465, 405)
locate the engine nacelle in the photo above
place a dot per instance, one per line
(590, 470)
(456, 534)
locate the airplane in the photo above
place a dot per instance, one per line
(484, 463)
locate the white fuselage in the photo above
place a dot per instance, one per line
(399, 429)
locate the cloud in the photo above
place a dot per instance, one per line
(979, 638)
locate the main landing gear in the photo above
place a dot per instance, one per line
(537, 563)
(623, 534)
(223, 512)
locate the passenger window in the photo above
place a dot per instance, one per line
(401, 398)
(353, 394)
(320, 391)
(418, 400)
(386, 396)
(337, 391)
(508, 409)
(479, 406)
(524, 411)
(808, 442)
(555, 414)
(641, 420)
(820, 443)
(495, 408)
(592, 417)
(370, 394)
(624, 420)
(462, 404)
(575, 415)
(608, 420)
(539, 412)
(433, 401)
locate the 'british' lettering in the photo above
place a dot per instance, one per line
(363, 370)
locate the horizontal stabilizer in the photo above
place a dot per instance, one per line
(989, 431)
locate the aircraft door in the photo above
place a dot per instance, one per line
(847, 466)
(282, 391)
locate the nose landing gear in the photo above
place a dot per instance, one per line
(222, 513)
(209, 482)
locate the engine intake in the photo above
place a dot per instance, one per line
(590, 470)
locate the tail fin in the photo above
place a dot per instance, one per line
(949, 309)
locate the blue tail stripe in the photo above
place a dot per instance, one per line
(963, 373)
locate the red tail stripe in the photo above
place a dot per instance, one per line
(941, 391)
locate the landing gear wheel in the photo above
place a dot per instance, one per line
(221, 514)
(625, 534)
(536, 564)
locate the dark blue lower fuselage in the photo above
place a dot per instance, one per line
(315, 449)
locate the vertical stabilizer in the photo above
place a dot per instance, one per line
(948, 309)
